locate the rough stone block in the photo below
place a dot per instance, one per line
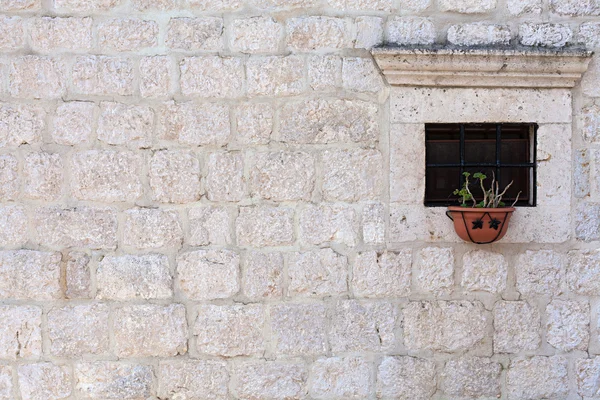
(363, 5)
(317, 33)
(382, 275)
(324, 73)
(230, 331)
(406, 378)
(575, 7)
(162, 5)
(226, 179)
(410, 30)
(587, 222)
(283, 175)
(175, 176)
(212, 76)
(20, 333)
(150, 330)
(255, 35)
(70, 6)
(538, 378)
(49, 34)
(446, 326)
(369, 32)
(478, 34)
(263, 226)
(134, 277)
(6, 382)
(516, 327)
(127, 34)
(209, 225)
(106, 175)
(317, 274)
(44, 381)
(262, 275)
(540, 273)
(77, 330)
(43, 176)
(269, 381)
(94, 228)
(113, 380)
(549, 35)
(567, 324)
(72, 123)
(20, 5)
(14, 230)
(192, 34)
(156, 74)
(194, 124)
(352, 175)
(78, 275)
(471, 378)
(299, 329)
(147, 228)
(581, 173)
(591, 77)
(275, 75)
(520, 7)
(329, 223)
(193, 379)
(21, 124)
(436, 270)
(9, 177)
(124, 124)
(37, 77)
(339, 378)
(583, 273)
(361, 75)
(373, 223)
(484, 271)
(589, 34)
(407, 163)
(467, 6)
(29, 274)
(208, 274)
(254, 123)
(103, 76)
(590, 116)
(416, 6)
(587, 372)
(12, 33)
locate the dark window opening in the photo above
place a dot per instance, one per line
(504, 150)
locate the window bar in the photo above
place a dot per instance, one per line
(498, 148)
(534, 161)
(462, 153)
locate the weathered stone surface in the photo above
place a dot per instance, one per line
(407, 163)
(478, 34)
(156, 76)
(193, 379)
(150, 330)
(446, 326)
(106, 175)
(581, 173)
(567, 324)
(6, 382)
(283, 175)
(410, 30)
(587, 226)
(406, 378)
(373, 223)
(363, 326)
(194, 124)
(520, 7)
(436, 270)
(588, 82)
(44, 381)
(113, 380)
(575, 7)
(540, 272)
(103, 76)
(37, 77)
(21, 124)
(538, 378)
(549, 35)
(77, 330)
(275, 76)
(255, 35)
(13, 226)
(17, 5)
(299, 329)
(484, 271)
(587, 372)
(163, 5)
(209, 274)
(226, 180)
(175, 176)
(516, 327)
(212, 76)
(369, 32)
(230, 331)
(264, 226)
(9, 177)
(72, 123)
(317, 273)
(134, 277)
(467, 6)
(583, 273)
(193, 34)
(147, 228)
(589, 34)
(262, 275)
(86, 5)
(362, 5)
(94, 228)
(324, 72)
(209, 225)
(352, 175)
(471, 378)
(20, 333)
(43, 176)
(329, 121)
(317, 33)
(48, 34)
(254, 123)
(127, 34)
(339, 378)
(361, 75)
(124, 124)
(382, 275)
(78, 275)
(326, 223)
(29, 274)
(590, 116)
(269, 380)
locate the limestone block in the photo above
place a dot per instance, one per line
(540, 273)
(17, 5)
(583, 274)
(78, 330)
(193, 124)
(516, 327)
(20, 333)
(361, 75)
(417, 6)
(317, 273)
(49, 34)
(193, 379)
(363, 326)
(589, 34)
(352, 175)
(538, 377)
(587, 222)
(103, 76)
(275, 75)
(226, 179)
(21, 124)
(317, 33)
(581, 173)
(44, 381)
(29, 274)
(209, 225)
(192, 34)
(473, 377)
(78, 275)
(369, 32)
(520, 7)
(382, 275)
(255, 35)
(410, 30)
(9, 177)
(162, 5)
(175, 176)
(37, 77)
(209, 274)
(113, 380)
(406, 378)
(567, 324)
(335, 223)
(363, 5)
(212, 76)
(373, 223)
(299, 329)
(69, 6)
(479, 34)
(72, 123)
(436, 270)
(324, 72)
(484, 271)
(6, 382)
(269, 381)
(134, 277)
(150, 330)
(446, 326)
(147, 228)
(549, 35)
(43, 176)
(587, 371)
(264, 226)
(262, 275)
(156, 74)
(575, 7)
(127, 34)
(407, 163)
(230, 331)
(13, 226)
(283, 175)
(468, 6)
(254, 123)
(339, 378)
(123, 124)
(591, 123)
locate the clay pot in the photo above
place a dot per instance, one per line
(480, 225)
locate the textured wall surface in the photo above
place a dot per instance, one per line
(195, 203)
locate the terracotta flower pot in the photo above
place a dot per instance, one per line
(480, 225)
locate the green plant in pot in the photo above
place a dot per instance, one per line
(484, 220)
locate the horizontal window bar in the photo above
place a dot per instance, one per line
(470, 165)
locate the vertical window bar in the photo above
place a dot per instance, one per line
(498, 148)
(532, 201)
(462, 153)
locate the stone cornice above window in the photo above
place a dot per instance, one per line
(482, 67)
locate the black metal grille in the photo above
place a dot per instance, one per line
(504, 150)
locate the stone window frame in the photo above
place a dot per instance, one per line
(453, 85)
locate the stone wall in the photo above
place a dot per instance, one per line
(195, 203)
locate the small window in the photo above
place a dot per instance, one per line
(504, 150)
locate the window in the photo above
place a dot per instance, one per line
(506, 151)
